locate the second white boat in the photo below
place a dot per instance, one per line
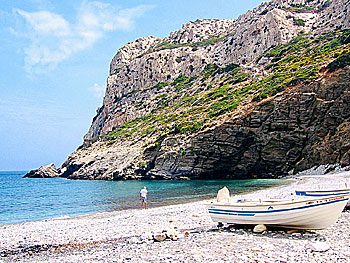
(318, 193)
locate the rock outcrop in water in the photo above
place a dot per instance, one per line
(261, 96)
(47, 171)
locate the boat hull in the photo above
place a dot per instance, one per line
(307, 214)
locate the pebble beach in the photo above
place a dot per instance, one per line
(123, 236)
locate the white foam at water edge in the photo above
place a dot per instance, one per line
(59, 217)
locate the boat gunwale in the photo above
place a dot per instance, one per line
(273, 210)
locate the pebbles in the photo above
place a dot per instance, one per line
(127, 236)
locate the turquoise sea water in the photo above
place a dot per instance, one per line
(24, 199)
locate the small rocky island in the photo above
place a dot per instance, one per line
(47, 171)
(261, 96)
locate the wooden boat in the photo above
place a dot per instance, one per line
(317, 193)
(308, 213)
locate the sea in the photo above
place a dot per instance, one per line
(29, 199)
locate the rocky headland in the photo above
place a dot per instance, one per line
(261, 96)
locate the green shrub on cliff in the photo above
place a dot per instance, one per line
(160, 85)
(300, 61)
(299, 22)
(299, 8)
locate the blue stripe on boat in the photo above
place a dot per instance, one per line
(306, 194)
(234, 214)
(252, 213)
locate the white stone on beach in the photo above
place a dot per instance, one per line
(149, 236)
(160, 237)
(223, 195)
(259, 228)
(319, 246)
(133, 240)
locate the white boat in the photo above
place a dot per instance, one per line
(308, 213)
(318, 193)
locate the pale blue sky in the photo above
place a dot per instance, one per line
(55, 59)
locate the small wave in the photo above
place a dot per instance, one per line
(59, 217)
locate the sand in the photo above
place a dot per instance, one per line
(121, 236)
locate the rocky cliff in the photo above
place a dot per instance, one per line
(261, 96)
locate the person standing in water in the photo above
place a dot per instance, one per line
(143, 197)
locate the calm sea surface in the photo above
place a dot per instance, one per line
(24, 199)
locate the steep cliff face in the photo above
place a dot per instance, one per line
(262, 95)
(150, 60)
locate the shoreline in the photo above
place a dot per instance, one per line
(103, 234)
(154, 201)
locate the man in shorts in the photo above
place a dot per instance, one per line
(143, 197)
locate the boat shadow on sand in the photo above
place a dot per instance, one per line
(272, 232)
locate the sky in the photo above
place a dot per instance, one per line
(54, 63)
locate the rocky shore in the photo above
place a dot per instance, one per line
(123, 236)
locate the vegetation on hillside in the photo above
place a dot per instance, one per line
(299, 8)
(203, 43)
(300, 60)
(188, 103)
(171, 45)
